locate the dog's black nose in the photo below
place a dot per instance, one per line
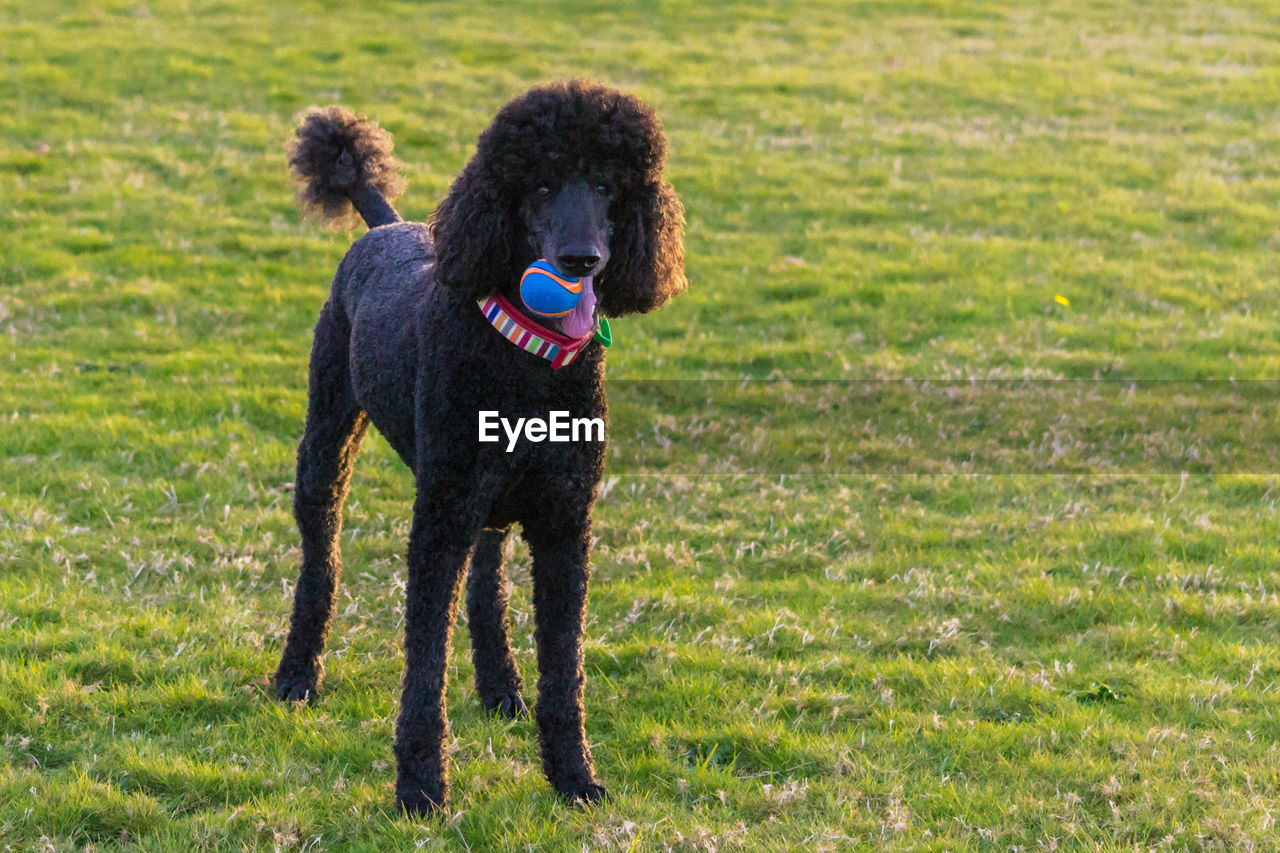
(578, 260)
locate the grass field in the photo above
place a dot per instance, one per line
(911, 654)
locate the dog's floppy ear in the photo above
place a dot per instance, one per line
(472, 236)
(646, 264)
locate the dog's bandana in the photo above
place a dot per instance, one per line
(529, 336)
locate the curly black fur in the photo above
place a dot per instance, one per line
(419, 361)
(340, 157)
(552, 130)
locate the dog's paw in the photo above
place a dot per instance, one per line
(417, 803)
(295, 687)
(587, 795)
(509, 704)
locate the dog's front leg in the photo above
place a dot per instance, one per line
(559, 602)
(438, 549)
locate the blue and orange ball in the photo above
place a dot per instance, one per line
(548, 292)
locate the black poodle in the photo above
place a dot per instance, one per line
(419, 335)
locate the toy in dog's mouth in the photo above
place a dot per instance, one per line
(551, 295)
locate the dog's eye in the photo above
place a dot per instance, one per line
(543, 192)
(602, 189)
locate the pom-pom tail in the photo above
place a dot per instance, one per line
(345, 166)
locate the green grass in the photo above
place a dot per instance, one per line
(906, 654)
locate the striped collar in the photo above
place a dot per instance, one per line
(528, 335)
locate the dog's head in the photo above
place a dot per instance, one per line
(570, 172)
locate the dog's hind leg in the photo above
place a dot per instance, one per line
(446, 524)
(335, 426)
(498, 679)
